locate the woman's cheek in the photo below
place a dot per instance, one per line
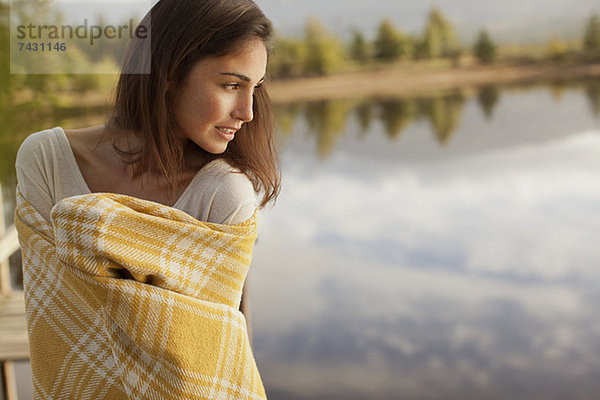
(218, 109)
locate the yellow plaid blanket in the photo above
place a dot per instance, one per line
(127, 298)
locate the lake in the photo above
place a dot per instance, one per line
(436, 247)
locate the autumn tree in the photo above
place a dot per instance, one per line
(484, 48)
(557, 49)
(390, 43)
(5, 83)
(359, 48)
(324, 52)
(439, 38)
(288, 58)
(591, 36)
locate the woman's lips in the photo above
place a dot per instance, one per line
(227, 133)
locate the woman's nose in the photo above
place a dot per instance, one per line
(243, 110)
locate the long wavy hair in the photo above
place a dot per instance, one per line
(183, 32)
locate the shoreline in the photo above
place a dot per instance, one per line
(401, 80)
(394, 81)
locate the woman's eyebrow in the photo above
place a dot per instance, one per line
(242, 77)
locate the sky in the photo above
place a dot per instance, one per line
(509, 20)
(506, 18)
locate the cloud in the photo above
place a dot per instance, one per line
(521, 211)
(373, 275)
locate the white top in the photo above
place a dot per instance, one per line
(47, 172)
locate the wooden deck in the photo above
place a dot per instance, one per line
(13, 329)
(14, 344)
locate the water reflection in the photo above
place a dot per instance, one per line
(488, 97)
(396, 114)
(327, 120)
(364, 114)
(593, 94)
(458, 265)
(444, 113)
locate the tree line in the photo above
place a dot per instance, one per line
(320, 52)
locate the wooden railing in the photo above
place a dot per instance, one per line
(13, 328)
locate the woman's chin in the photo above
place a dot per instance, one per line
(216, 151)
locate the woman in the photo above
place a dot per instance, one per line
(194, 137)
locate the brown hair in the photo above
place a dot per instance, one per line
(184, 32)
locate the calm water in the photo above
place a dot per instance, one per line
(439, 248)
(433, 248)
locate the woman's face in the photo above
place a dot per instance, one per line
(217, 95)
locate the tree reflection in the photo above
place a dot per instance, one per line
(558, 88)
(444, 114)
(364, 114)
(592, 91)
(327, 119)
(488, 97)
(286, 118)
(396, 114)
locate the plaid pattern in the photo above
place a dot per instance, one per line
(127, 298)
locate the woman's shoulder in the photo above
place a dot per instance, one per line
(39, 143)
(36, 166)
(227, 181)
(230, 192)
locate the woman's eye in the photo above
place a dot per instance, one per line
(237, 86)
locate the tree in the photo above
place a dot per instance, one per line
(591, 36)
(5, 81)
(439, 39)
(324, 52)
(359, 49)
(390, 43)
(288, 58)
(557, 49)
(484, 48)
